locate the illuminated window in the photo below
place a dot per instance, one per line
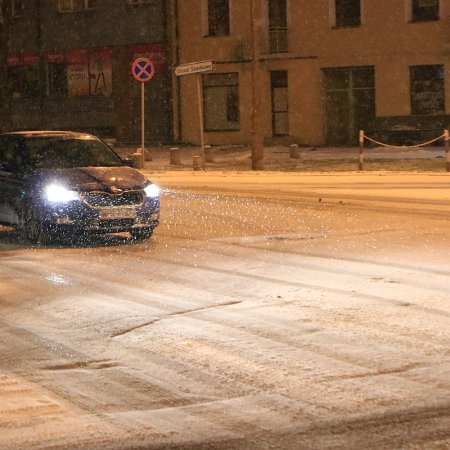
(221, 102)
(427, 90)
(75, 5)
(347, 13)
(425, 10)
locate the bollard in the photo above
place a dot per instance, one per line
(361, 149)
(138, 162)
(209, 156)
(196, 163)
(143, 154)
(175, 156)
(148, 155)
(447, 150)
(294, 151)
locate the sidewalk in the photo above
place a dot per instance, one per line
(278, 158)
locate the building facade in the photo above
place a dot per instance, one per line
(69, 66)
(316, 71)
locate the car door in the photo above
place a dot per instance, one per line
(11, 184)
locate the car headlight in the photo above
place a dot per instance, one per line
(56, 193)
(152, 191)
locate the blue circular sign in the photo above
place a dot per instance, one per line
(143, 69)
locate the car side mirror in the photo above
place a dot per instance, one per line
(130, 162)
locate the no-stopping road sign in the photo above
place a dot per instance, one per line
(143, 69)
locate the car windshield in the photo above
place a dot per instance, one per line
(60, 153)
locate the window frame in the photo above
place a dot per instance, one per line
(88, 5)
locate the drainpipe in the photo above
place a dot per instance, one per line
(175, 81)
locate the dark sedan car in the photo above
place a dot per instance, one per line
(56, 183)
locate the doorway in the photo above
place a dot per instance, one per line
(349, 103)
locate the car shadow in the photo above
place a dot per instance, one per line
(10, 239)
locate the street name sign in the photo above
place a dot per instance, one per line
(195, 67)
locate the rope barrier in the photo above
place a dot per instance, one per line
(444, 136)
(424, 144)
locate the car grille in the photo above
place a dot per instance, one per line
(103, 199)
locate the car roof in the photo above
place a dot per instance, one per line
(48, 133)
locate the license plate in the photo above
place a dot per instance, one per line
(117, 213)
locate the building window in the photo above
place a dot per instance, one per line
(218, 15)
(57, 79)
(23, 80)
(80, 73)
(138, 2)
(278, 31)
(75, 5)
(279, 89)
(349, 103)
(221, 102)
(425, 10)
(427, 90)
(347, 13)
(16, 8)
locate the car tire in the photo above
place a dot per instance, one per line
(140, 235)
(34, 227)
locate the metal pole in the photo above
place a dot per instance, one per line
(361, 149)
(447, 150)
(200, 112)
(257, 138)
(142, 123)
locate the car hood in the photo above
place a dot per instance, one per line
(110, 179)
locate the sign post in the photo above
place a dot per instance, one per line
(191, 69)
(142, 70)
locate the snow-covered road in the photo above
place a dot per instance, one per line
(267, 312)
